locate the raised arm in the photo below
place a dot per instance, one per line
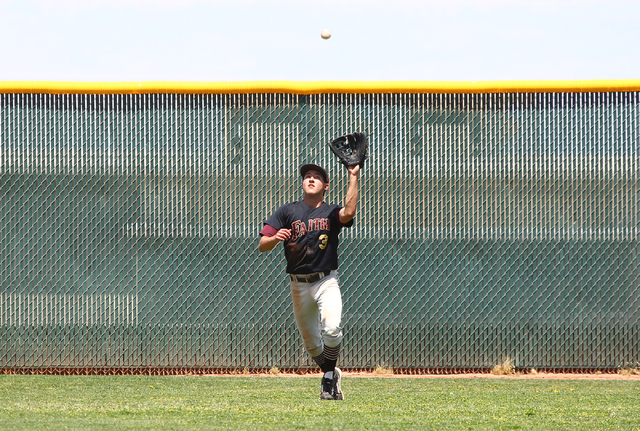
(348, 211)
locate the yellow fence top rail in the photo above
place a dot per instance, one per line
(318, 87)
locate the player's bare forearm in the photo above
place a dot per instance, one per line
(267, 243)
(348, 211)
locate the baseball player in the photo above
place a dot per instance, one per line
(309, 232)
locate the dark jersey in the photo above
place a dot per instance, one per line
(313, 245)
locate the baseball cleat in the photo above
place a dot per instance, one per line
(337, 384)
(326, 389)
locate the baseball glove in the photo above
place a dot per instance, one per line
(351, 149)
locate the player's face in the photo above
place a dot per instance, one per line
(313, 184)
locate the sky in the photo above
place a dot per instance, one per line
(372, 40)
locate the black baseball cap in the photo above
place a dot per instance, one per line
(306, 168)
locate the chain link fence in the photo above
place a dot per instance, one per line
(489, 226)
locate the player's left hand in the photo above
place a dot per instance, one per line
(353, 170)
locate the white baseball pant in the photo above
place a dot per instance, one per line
(317, 308)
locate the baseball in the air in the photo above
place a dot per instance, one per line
(325, 34)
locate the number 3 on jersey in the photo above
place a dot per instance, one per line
(324, 239)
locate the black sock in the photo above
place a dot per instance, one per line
(331, 357)
(321, 361)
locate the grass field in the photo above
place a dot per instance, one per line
(165, 402)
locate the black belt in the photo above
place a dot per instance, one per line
(309, 278)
